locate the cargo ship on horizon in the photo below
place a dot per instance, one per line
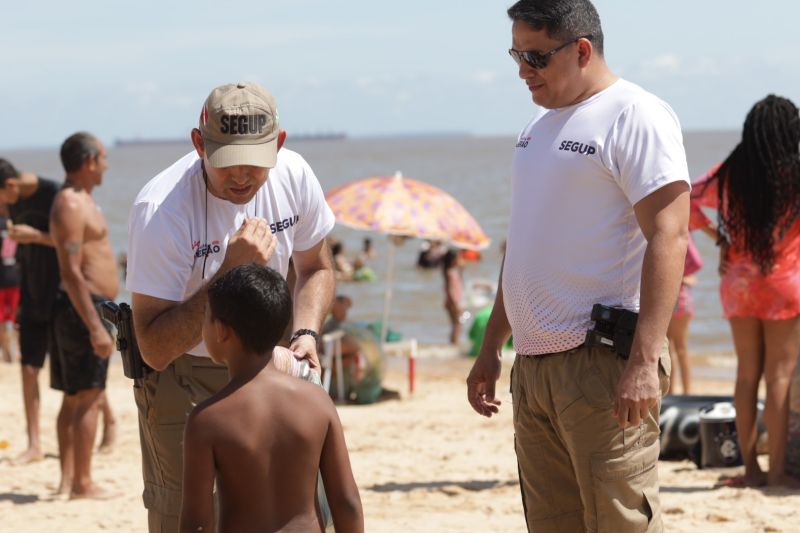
(144, 141)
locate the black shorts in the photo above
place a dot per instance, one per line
(34, 341)
(74, 366)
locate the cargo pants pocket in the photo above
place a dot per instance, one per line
(626, 490)
(162, 447)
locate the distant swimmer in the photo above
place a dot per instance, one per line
(82, 344)
(252, 440)
(678, 329)
(452, 264)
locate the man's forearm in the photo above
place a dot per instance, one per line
(45, 240)
(662, 271)
(498, 329)
(313, 296)
(172, 332)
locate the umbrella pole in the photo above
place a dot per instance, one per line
(387, 294)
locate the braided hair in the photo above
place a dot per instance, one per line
(759, 182)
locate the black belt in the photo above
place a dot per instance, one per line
(545, 355)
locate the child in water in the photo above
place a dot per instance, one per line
(453, 292)
(264, 436)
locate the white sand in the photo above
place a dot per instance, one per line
(423, 463)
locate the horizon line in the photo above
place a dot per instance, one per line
(121, 142)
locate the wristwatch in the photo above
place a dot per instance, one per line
(301, 332)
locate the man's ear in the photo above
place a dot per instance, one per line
(197, 141)
(281, 138)
(90, 163)
(585, 52)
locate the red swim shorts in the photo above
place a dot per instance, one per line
(9, 300)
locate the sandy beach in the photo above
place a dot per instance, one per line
(424, 462)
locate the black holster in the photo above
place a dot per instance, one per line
(121, 316)
(613, 328)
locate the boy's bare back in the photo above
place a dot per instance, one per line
(268, 437)
(265, 435)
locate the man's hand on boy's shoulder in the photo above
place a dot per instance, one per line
(305, 347)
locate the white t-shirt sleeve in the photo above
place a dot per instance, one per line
(157, 253)
(649, 149)
(317, 219)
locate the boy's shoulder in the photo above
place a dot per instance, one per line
(271, 385)
(204, 422)
(298, 389)
(209, 410)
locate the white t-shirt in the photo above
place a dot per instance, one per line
(171, 234)
(573, 238)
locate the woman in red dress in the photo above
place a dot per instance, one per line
(756, 192)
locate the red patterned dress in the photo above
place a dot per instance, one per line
(744, 290)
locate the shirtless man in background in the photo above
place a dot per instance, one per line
(88, 276)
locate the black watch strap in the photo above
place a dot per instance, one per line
(301, 332)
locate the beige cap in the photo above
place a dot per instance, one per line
(239, 124)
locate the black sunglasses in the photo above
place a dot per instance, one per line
(539, 60)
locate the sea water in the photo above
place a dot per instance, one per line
(475, 170)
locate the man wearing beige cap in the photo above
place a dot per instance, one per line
(238, 198)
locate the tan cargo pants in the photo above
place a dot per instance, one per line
(578, 470)
(164, 400)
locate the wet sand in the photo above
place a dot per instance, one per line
(423, 463)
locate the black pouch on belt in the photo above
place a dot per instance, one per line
(133, 366)
(613, 328)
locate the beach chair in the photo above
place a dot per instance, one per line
(332, 359)
(408, 348)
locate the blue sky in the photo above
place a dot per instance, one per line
(143, 69)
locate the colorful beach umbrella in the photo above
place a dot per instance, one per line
(404, 207)
(401, 206)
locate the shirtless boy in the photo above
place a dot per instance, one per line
(252, 437)
(88, 275)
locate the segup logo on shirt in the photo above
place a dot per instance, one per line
(579, 147)
(282, 225)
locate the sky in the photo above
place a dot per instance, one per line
(143, 69)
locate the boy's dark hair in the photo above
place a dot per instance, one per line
(562, 19)
(77, 149)
(254, 301)
(7, 170)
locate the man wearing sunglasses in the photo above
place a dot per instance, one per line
(599, 216)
